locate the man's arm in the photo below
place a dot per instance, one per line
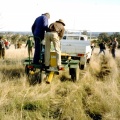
(61, 33)
(26, 43)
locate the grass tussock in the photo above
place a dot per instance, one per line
(95, 96)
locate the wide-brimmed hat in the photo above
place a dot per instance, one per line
(61, 21)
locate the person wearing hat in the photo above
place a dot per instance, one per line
(39, 27)
(55, 35)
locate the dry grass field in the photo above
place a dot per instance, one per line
(96, 96)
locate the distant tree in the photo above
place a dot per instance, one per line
(15, 38)
(24, 38)
(116, 34)
(103, 37)
(85, 32)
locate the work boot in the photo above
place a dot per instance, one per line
(60, 67)
(46, 69)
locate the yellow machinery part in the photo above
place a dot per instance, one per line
(50, 76)
(64, 54)
(31, 72)
(53, 59)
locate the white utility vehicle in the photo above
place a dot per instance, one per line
(78, 47)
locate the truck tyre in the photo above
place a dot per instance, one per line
(26, 70)
(82, 67)
(74, 72)
(88, 60)
(35, 78)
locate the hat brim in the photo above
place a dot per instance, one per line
(61, 23)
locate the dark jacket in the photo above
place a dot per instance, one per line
(39, 26)
(102, 46)
(57, 27)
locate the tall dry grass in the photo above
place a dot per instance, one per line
(96, 96)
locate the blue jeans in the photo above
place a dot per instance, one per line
(102, 50)
(38, 48)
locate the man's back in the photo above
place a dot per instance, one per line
(37, 26)
(40, 26)
(102, 46)
(57, 27)
(30, 43)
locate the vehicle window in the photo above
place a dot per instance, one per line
(73, 37)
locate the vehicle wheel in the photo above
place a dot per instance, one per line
(26, 70)
(32, 79)
(35, 78)
(82, 67)
(88, 60)
(74, 72)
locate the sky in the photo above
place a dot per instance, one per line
(91, 15)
